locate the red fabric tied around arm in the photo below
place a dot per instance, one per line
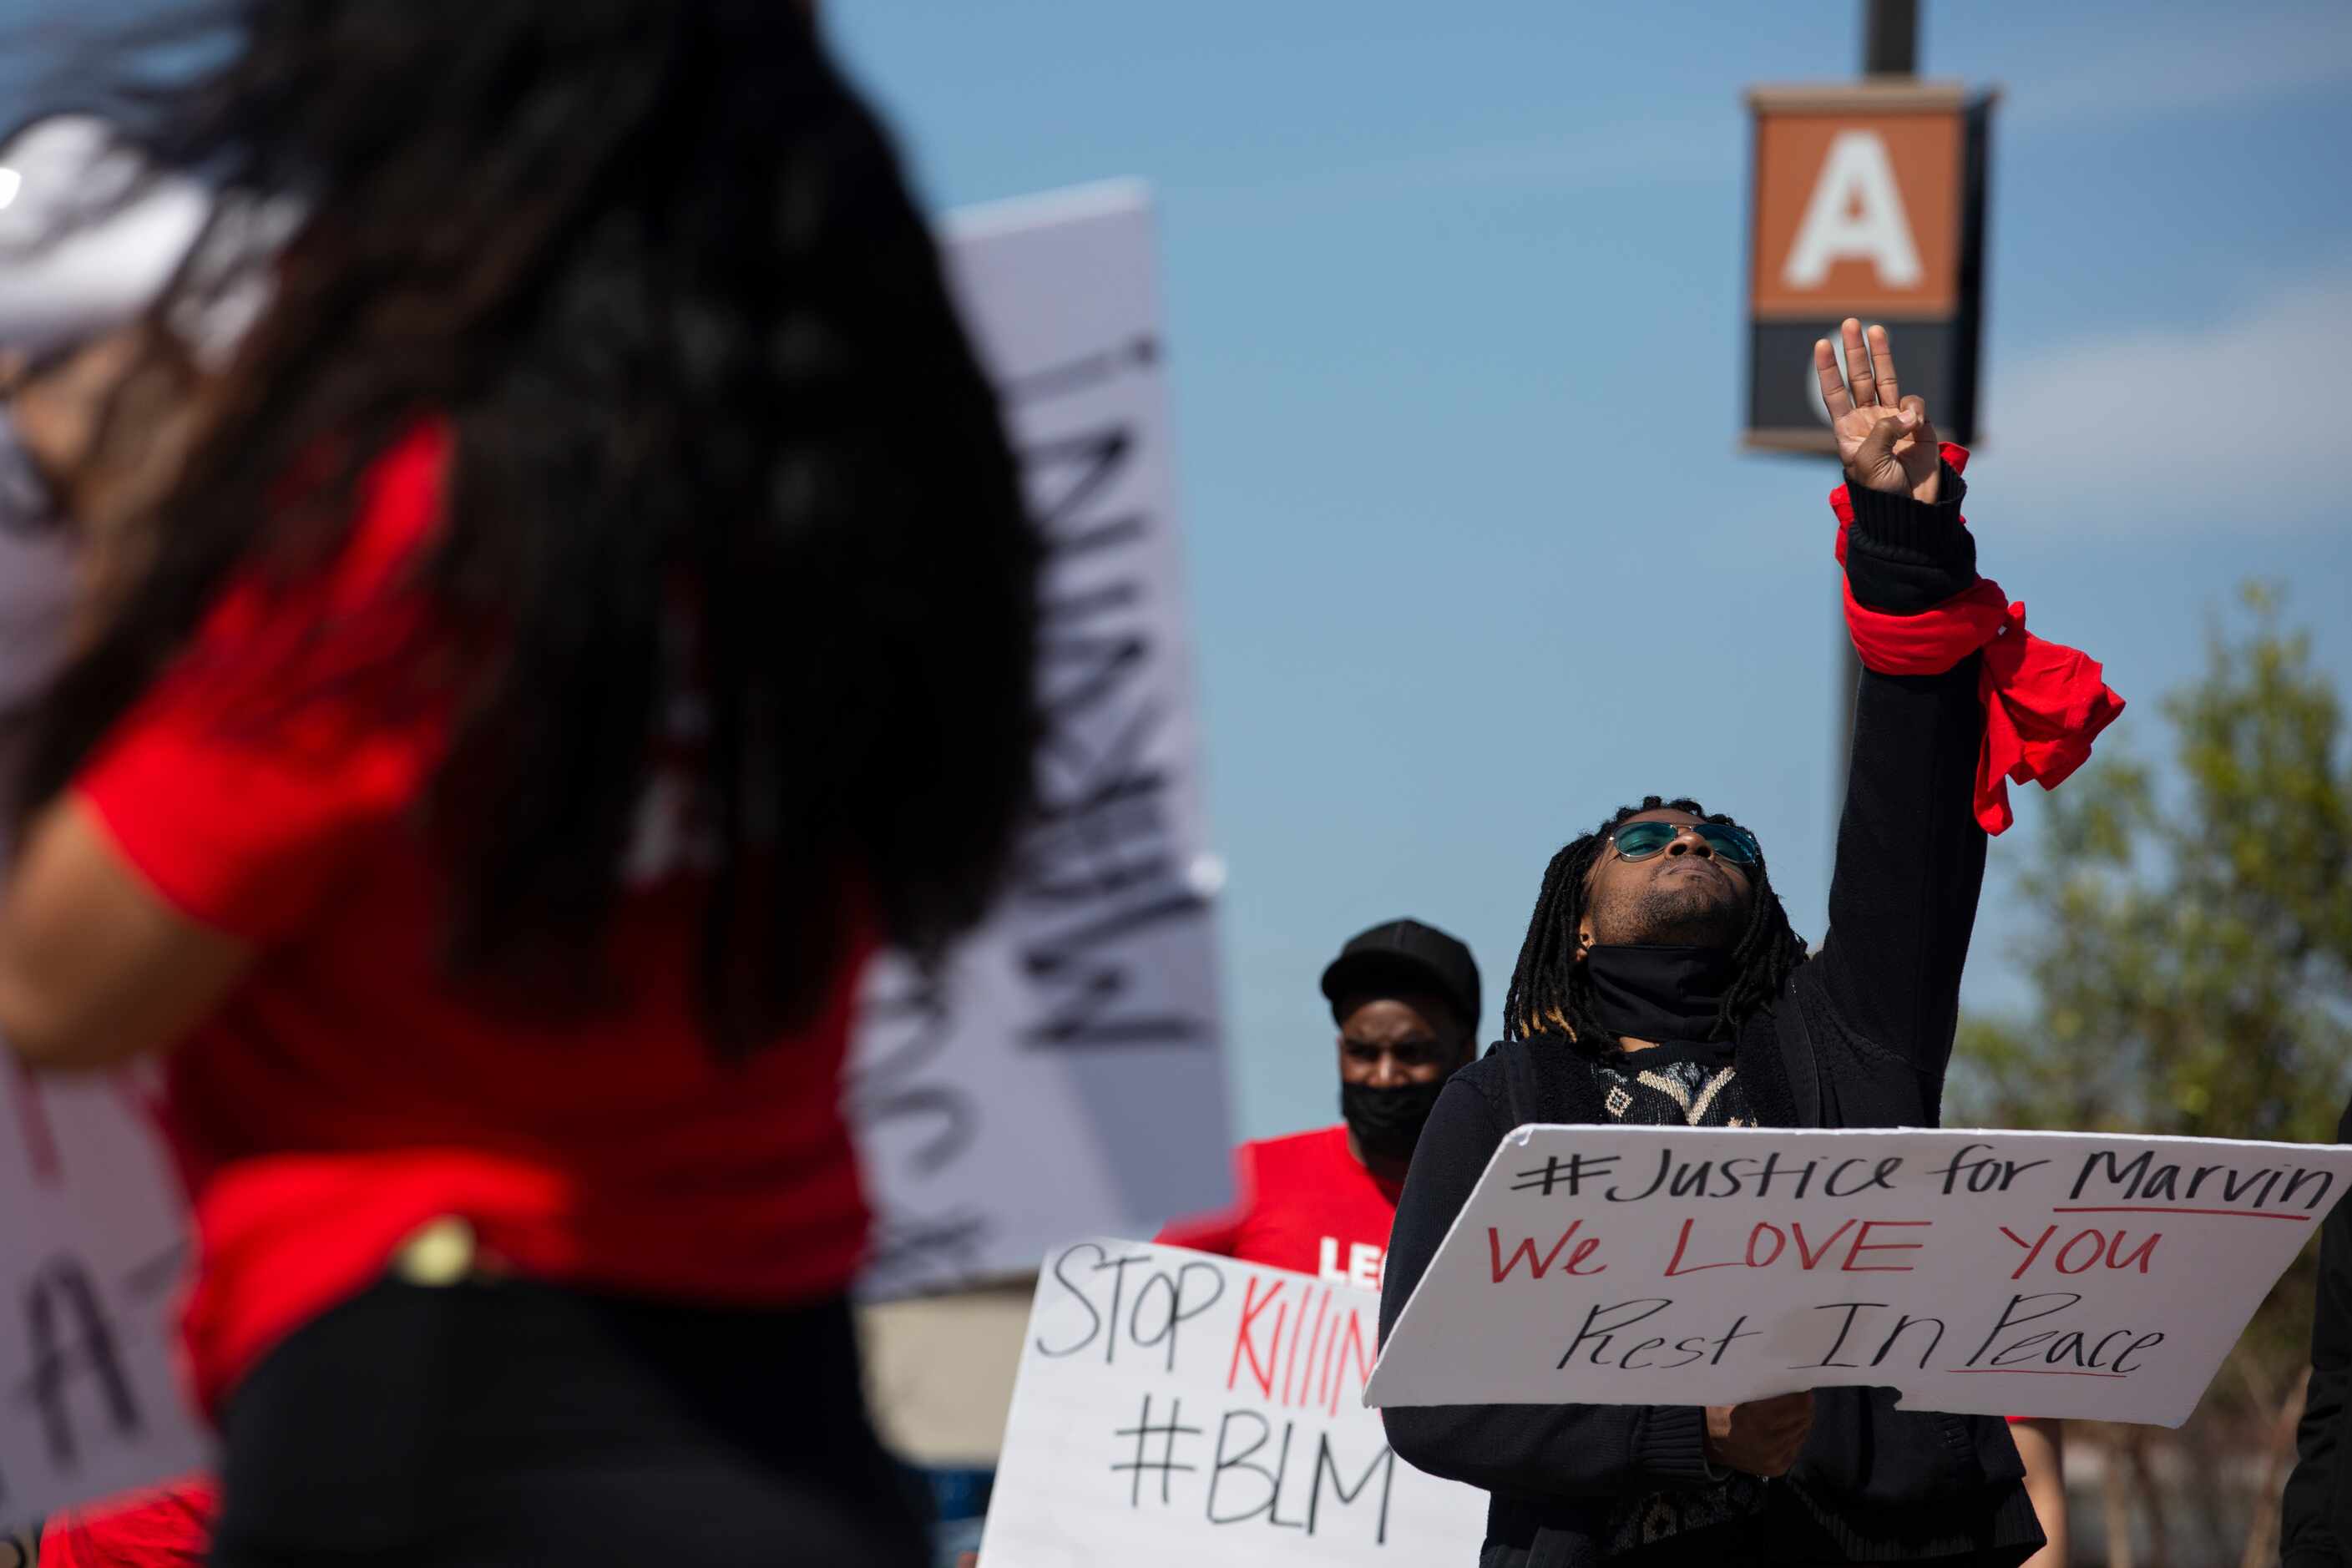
(2044, 702)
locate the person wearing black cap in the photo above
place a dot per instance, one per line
(1405, 997)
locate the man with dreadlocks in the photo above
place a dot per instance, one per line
(1660, 983)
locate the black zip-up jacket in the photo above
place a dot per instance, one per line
(1880, 1005)
(2315, 1525)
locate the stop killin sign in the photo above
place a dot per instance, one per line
(1868, 202)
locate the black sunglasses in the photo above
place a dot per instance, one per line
(1640, 840)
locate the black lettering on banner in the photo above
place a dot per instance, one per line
(1096, 457)
(1706, 1179)
(2326, 1179)
(1853, 1309)
(69, 1332)
(1556, 1173)
(1119, 1268)
(908, 1249)
(1766, 1172)
(1596, 1338)
(1880, 1176)
(1600, 1328)
(1981, 1173)
(151, 1279)
(2127, 1175)
(1152, 1314)
(1080, 375)
(1102, 834)
(1067, 1283)
(1220, 1465)
(1100, 841)
(1224, 1466)
(1097, 851)
(1144, 1432)
(1666, 1165)
(2143, 1181)
(892, 1088)
(2010, 1317)
(1382, 1466)
(946, 1106)
(1082, 1016)
(1176, 1312)
(1690, 1180)
(1904, 1322)
(1102, 663)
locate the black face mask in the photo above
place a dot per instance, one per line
(1658, 993)
(1387, 1122)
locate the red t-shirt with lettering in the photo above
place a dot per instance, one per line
(1302, 1202)
(345, 1094)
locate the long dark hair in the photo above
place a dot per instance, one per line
(658, 266)
(1552, 994)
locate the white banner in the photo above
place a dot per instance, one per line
(1065, 1076)
(92, 1228)
(1994, 1273)
(93, 1250)
(1175, 1408)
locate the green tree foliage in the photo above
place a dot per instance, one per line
(2191, 951)
(2189, 944)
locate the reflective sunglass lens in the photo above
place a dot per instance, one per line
(1730, 843)
(1640, 840)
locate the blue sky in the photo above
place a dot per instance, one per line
(1456, 340)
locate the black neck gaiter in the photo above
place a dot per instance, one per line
(1659, 994)
(1387, 1122)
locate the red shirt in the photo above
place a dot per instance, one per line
(1302, 1202)
(345, 1094)
(170, 1527)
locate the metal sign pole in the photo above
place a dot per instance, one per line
(1890, 47)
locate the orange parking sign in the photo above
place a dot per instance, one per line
(1867, 201)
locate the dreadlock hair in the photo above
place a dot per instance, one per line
(1551, 992)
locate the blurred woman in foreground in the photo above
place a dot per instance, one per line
(590, 611)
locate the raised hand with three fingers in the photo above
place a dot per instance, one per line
(1883, 439)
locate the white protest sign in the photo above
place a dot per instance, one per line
(92, 1230)
(1994, 1273)
(1176, 1408)
(93, 1252)
(1065, 1077)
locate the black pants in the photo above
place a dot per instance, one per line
(505, 1422)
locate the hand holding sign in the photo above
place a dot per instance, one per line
(1883, 439)
(1762, 1437)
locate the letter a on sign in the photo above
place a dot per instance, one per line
(1856, 212)
(1867, 202)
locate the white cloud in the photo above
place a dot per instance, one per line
(2227, 428)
